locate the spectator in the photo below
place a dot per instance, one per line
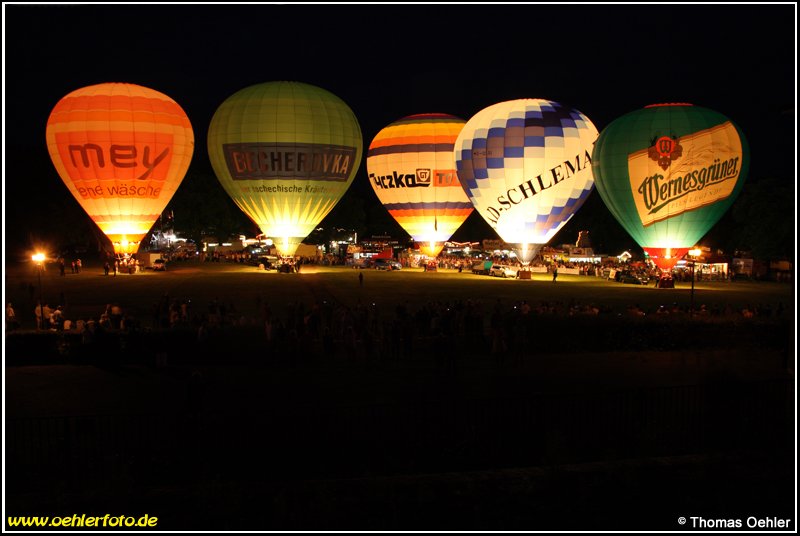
(11, 318)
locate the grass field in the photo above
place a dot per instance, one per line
(86, 294)
(586, 432)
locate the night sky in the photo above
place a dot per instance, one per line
(387, 62)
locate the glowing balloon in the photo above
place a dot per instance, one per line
(413, 172)
(285, 152)
(668, 173)
(122, 150)
(526, 166)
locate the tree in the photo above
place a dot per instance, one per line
(348, 214)
(202, 208)
(763, 219)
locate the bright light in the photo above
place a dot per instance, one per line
(38, 257)
(695, 252)
(125, 246)
(432, 249)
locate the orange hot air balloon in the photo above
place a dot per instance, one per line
(122, 150)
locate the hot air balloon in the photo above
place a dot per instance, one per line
(285, 152)
(412, 170)
(668, 172)
(526, 166)
(122, 150)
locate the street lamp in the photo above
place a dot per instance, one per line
(693, 254)
(38, 258)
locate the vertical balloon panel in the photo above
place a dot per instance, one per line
(411, 168)
(668, 173)
(526, 166)
(285, 152)
(122, 150)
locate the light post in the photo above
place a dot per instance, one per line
(38, 258)
(693, 254)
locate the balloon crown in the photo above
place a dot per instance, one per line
(669, 104)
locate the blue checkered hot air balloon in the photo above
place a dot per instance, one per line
(526, 166)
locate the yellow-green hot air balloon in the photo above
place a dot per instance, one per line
(412, 170)
(285, 152)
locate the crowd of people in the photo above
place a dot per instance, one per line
(326, 328)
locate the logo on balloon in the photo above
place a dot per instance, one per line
(108, 160)
(707, 173)
(665, 150)
(538, 184)
(299, 161)
(423, 177)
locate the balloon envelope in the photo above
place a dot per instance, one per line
(122, 150)
(285, 152)
(412, 170)
(526, 166)
(668, 173)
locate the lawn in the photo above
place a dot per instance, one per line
(86, 295)
(602, 422)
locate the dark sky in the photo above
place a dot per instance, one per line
(387, 62)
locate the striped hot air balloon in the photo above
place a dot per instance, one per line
(122, 150)
(412, 170)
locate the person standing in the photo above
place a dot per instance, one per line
(11, 317)
(360, 279)
(39, 312)
(555, 273)
(47, 316)
(57, 319)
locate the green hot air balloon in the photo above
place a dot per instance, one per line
(285, 152)
(668, 172)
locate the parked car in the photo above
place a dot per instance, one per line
(502, 270)
(160, 265)
(386, 264)
(631, 278)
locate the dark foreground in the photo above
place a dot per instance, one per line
(444, 414)
(235, 433)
